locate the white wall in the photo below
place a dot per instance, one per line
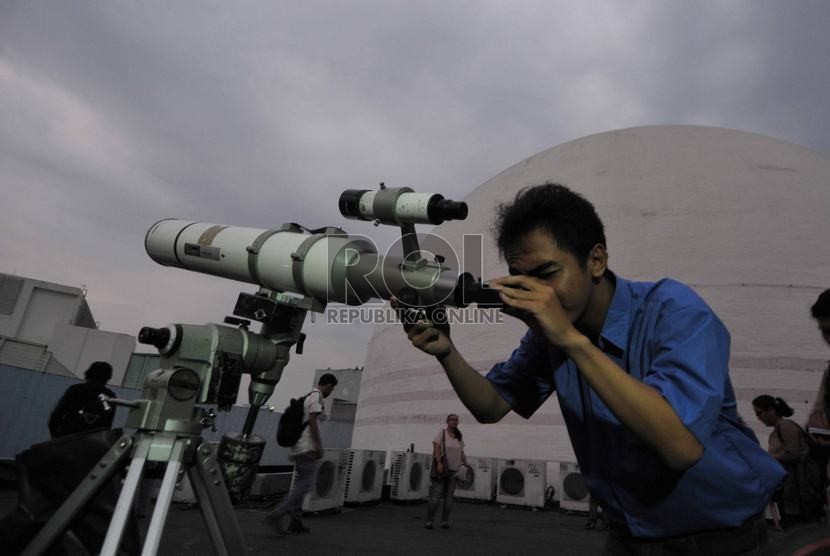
(45, 313)
(77, 348)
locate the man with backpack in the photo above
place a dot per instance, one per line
(305, 453)
(83, 407)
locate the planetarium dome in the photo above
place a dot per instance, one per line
(742, 218)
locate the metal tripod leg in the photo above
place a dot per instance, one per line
(125, 499)
(113, 461)
(217, 510)
(165, 497)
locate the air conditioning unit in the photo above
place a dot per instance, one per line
(410, 476)
(479, 480)
(572, 490)
(327, 485)
(271, 484)
(522, 482)
(364, 476)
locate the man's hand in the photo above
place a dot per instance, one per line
(426, 337)
(535, 303)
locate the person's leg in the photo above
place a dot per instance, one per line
(304, 465)
(449, 492)
(436, 487)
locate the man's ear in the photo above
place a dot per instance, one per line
(597, 262)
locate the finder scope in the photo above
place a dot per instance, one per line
(399, 206)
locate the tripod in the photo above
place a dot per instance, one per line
(202, 363)
(182, 451)
(178, 451)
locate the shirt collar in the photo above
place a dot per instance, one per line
(615, 327)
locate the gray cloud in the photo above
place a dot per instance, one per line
(118, 114)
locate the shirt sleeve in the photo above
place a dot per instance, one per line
(525, 380)
(315, 403)
(690, 367)
(438, 435)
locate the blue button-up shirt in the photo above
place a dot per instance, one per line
(664, 335)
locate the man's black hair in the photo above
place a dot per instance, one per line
(821, 308)
(567, 216)
(326, 379)
(100, 372)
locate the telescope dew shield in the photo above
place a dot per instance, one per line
(287, 260)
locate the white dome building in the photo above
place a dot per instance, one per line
(742, 218)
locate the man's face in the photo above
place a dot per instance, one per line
(824, 328)
(538, 255)
(327, 390)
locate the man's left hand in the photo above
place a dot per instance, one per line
(536, 304)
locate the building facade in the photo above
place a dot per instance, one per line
(48, 326)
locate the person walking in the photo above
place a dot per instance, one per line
(447, 457)
(305, 453)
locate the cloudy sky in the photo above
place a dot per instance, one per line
(114, 115)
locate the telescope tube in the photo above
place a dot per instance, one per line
(328, 265)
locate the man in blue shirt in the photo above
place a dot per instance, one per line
(641, 372)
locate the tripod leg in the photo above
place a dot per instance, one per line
(125, 499)
(113, 461)
(171, 474)
(217, 511)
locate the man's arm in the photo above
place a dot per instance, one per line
(314, 427)
(637, 405)
(475, 391)
(436, 457)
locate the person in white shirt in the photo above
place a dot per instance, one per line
(305, 453)
(447, 457)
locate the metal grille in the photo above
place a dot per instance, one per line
(325, 479)
(574, 486)
(512, 482)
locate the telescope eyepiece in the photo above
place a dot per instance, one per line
(156, 337)
(441, 209)
(349, 204)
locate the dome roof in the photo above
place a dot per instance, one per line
(740, 217)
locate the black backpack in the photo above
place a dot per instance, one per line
(82, 409)
(291, 425)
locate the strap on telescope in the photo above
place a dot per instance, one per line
(254, 248)
(298, 256)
